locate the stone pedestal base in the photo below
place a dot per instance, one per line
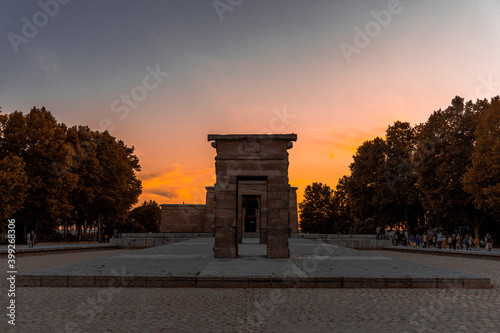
(277, 248)
(225, 252)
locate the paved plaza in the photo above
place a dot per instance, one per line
(192, 263)
(258, 309)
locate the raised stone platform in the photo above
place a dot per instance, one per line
(192, 264)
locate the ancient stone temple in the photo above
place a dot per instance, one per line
(251, 196)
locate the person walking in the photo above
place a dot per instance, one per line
(440, 240)
(31, 238)
(453, 244)
(476, 243)
(489, 242)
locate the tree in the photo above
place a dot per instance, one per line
(145, 218)
(13, 186)
(86, 166)
(117, 187)
(342, 207)
(13, 179)
(445, 145)
(76, 176)
(404, 196)
(316, 210)
(482, 179)
(368, 190)
(40, 141)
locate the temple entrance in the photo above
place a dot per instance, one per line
(250, 207)
(251, 224)
(252, 194)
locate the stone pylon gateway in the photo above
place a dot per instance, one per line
(252, 193)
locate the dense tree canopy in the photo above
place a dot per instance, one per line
(55, 176)
(441, 173)
(448, 141)
(145, 218)
(13, 186)
(482, 179)
(322, 211)
(316, 209)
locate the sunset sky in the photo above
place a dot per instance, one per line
(334, 72)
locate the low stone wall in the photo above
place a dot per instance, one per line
(183, 218)
(353, 241)
(361, 244)
(150, 240)
(335, 236)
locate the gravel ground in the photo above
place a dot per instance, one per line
(255, 310)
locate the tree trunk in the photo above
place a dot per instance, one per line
(477, 224)
(25, 232)
(99, 232)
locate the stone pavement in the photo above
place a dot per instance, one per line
(192, 264)
(148, 310)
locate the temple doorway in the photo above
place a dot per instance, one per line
(250, 209)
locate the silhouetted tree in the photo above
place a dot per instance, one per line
(444, 150)
(316, 211)
(404, 196)
(368, 190)
(342, 207)
(145, 218)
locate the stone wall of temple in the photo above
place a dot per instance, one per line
(294, 218)
(183, 218)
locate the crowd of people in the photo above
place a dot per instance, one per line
(443, 241)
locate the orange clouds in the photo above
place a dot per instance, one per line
(177, 185)
(346, 140)
(319, 155)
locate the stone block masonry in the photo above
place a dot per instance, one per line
(251, 196)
